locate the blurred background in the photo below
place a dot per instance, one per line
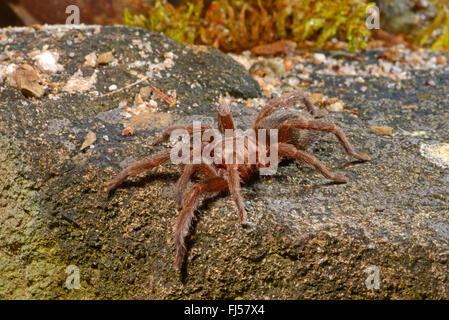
(29, 12)
(419, 21)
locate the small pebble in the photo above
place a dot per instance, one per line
(441, 60)
(386, 131)
(335, 107)
(319, 58)
(47, 62)
(105, 58)
(91, 60)
(128, 131)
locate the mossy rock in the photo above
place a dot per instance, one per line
(311, 239)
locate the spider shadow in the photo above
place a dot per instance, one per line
(144, 181)
(334, 169)
(190, 239)
(204, 205)
(349, 164)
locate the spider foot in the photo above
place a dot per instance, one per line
(177, 264)
(179, 256)
(340, 178)
(362, 156)
(249, 227)
(109, 186)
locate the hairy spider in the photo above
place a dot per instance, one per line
(298, 125)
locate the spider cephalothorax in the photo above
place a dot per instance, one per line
(298, 125)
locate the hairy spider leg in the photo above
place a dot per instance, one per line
(215, 184)
(189, 128)
(138, 167)
(225, 120)
(319, 125)
(287, 101)
(291, 151)
(232, 178)
(186, 176)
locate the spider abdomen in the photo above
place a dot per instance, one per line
(301, 139)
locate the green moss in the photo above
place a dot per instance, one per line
(29, 264)
(436, 34)
(235, 25)
(179, 24)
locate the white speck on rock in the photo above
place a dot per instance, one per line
(437, 153)
(77, 83)
(335, 107)
(46, 61)
(91, 60)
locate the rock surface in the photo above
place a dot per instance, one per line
(311, 238)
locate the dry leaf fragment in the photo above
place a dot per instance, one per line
(335, 107)
(386, 131)
(275, 48)
(388, 39)
(171, 102)
(91, 137)
(27, 79)
(105, 58)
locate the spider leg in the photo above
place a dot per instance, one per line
(186, 215)
(265, 112)
(189, 170)
(189, 128)
(289, 150)
(232, 178)
(297, 97)
(225, 120)
(138, 167)
(319, 125)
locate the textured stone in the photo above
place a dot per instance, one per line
(311, 238)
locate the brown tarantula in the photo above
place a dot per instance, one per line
(298, 126)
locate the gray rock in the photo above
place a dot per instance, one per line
(311, 238)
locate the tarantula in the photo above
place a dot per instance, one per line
(299, 126)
